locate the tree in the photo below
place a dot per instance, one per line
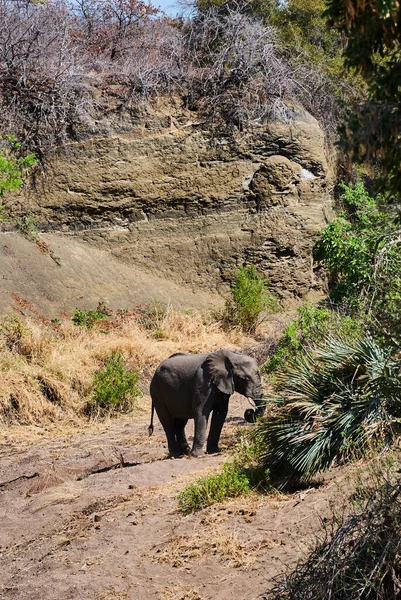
(111, 26)
(374, 133)
(361, 249)
(40, 73)
(316, 52)
(262, 9)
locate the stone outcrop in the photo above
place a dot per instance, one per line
(179, 203)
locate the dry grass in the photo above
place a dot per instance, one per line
(179, 591)
(112, 594)
(206, 542)
(57, 493)
(48, 479)
(47, 369)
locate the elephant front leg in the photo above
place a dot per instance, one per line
(218, 418)
(201, 419)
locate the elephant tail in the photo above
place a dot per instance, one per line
(150, 428)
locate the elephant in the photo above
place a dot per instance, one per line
(191, 386)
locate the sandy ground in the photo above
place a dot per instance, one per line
(72, 528)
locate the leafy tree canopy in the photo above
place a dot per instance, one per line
(361, 249)
(373, 31)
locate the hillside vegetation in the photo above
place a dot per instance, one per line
(91, 365)
(63, 65)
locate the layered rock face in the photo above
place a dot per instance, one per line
(179, 203)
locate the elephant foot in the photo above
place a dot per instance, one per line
(196, 452)
(213, 450)
(186, 450)
(174, 454)
(177, 454)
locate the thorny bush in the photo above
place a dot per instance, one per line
(240, 77)
(63, 64)
(359, 556)
(41, 67)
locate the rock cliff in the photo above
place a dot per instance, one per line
(176, 202)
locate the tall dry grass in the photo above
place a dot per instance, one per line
(47, 369)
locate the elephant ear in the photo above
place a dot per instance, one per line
(221, 371)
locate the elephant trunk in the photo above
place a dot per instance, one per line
(260, 404)
(260, 407)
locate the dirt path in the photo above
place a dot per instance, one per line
(69, 532)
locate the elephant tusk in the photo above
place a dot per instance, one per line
(253, 400)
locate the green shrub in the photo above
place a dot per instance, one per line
(160, 334)
(249, 299)
(115, 388)
(230, 483)
(13, 169)
(336, 400)
(88, 318)
(361, 250)
(241, 474)
(313, 325)
(27, 226)
(13, 331)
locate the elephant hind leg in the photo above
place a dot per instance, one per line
(167, 422)
(179, 429)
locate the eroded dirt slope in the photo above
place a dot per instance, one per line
(82, 277)
(74, 528)
(173, 199)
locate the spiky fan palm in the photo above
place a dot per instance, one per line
(336, 399)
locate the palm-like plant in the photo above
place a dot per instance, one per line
(336, 399)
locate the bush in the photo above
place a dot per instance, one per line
(313, 325)
(227, 61)
(250, 298)
(241, 474)
(230, 483)
(335, 401)
(358, 557)
(13, 330)
(153, 315)
(13, 169)
(115, 388)
(361, 250)
(88, 318)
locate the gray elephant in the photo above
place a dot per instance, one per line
(191, 386)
